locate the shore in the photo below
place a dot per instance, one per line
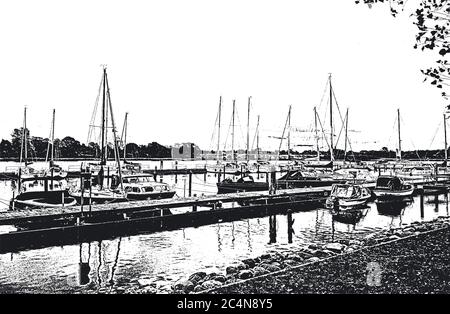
(418, 263)
(414, 258)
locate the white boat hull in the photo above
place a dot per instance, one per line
(387, 193)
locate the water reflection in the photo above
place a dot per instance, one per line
(393, 208)
(169, 255)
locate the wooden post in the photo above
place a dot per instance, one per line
(218, 176)
(194, 207)
(107, 178)
(257, 167)
(62, 199)
(90, 192)
(161, 164)
(176, 171)
(290, 222)
(51, 178)
(190, 183)
(421, 206)
(81, 190)
(204, 175)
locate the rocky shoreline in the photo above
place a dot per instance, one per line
(270, 263)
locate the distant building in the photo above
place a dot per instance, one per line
(186, 151)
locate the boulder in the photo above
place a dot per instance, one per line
(291, 262)
(184, 286)
(211, 284)
(220, 278)
(250, 262)
(335, 247)
(240, 265)
(313, 259)
(144, 282)
(258, 271)
(314, 246)
(231, 270)
(245, 274)
(196, 277)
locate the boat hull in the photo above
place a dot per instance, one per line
(386, 194)
(149, 196)
(234, 187)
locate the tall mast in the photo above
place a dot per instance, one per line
(399, 136)
(116, 149)
(53, 140)
(23, 146)
(124, 135)
(218, 135)
(289, 133)
(102, 157)
(317, 136)
(257, 140)
(232, 131)
(248, 129)
(346, 135)
(331, 121)
(445, 139)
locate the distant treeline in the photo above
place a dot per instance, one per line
(68, 147)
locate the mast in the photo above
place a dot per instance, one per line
(23, 145)
(232, 131)
(346, 136)
(218, 135)
(53, 139)
(399, 136)
(102, 157)
(331, 120)
(445, 140)
(257, 140)
(248, 129)
(124, 135)
(317, 136)
(116, 148)
(289, 133)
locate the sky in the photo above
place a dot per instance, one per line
(169, 62)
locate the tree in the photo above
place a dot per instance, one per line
(432, 18)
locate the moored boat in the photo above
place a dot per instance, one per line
(243, 184)
(392, 187)
(346, 196)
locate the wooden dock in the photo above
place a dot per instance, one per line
(59, 226)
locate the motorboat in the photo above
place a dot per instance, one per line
(346, 196)
(392, 187)
(143, 187)
(243, 184)
(299, 179)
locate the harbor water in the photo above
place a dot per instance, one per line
(118, 264)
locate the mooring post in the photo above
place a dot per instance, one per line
(257, 170)
(273, 182)
(190, 183)
(290, 222)
(242, 171)
(62, 198)
(51, 179)
(90, 192)
(82, 190)
(204, 175)
(154, 173)
(421, 206)
(218, 176)
(176, 171)
(194, 207)
(107, 178)
(272, 229)
(161, 164)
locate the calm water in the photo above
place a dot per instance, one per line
(168, 256)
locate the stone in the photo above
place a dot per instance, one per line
(314, 246)
(250, 262)
(313, 259)
(258, 271)
(355, 242)
(144, 282)
(265, 256)
(335, 247)
(196, 277)
(211, 284)
(220, 278)
(183, 285)
(245, 274)
(240, 265)
(393, 237)
(231, 270)
(290, 262)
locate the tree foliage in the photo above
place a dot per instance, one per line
(432, 19)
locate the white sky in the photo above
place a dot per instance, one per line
(169, 61)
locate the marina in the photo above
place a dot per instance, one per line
(195, 148)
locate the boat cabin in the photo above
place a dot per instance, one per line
(345, 190)
(389, 183)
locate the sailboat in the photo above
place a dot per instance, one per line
(47, 188)
(98, 192)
